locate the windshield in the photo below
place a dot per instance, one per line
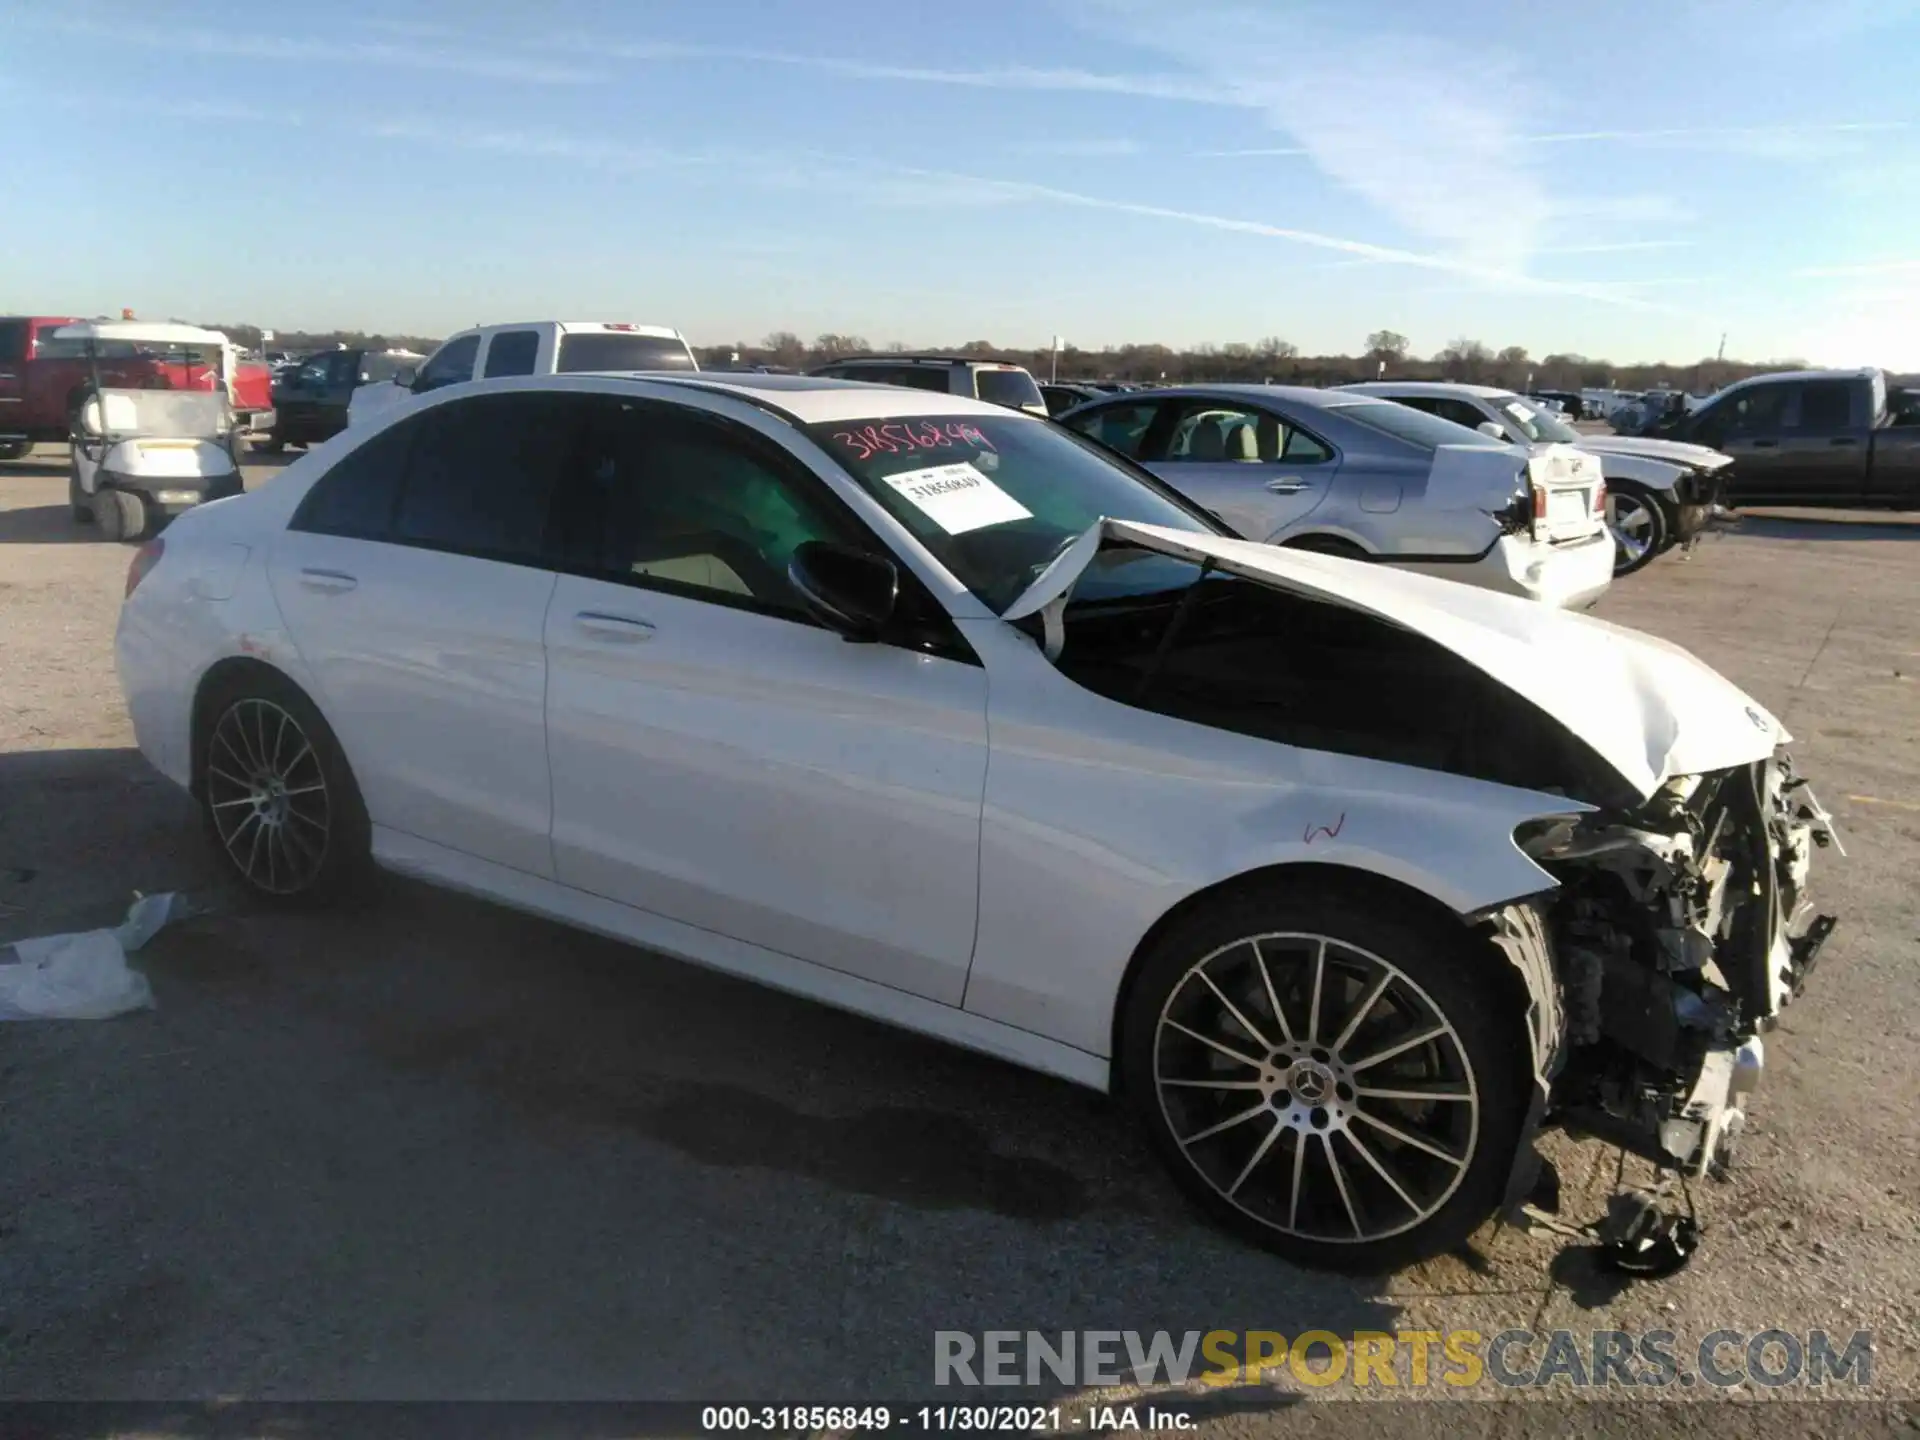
(995, 499)
(1012, 388)
(1535, 422)
(1416, 427)
(618, 350)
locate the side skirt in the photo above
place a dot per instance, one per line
(437, 865)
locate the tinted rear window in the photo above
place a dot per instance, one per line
(1416, 427)
(1007, 387)
(613, 350)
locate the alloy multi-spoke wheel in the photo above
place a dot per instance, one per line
(1335, 1075)
(267, 793)
(277, 794)
(1638, 527)
(1316, 1087)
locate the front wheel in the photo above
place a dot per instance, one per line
(122, 515)
(16, 450)
(1639, 527)
(1328, 1079)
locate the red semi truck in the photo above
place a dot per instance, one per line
(43, 378)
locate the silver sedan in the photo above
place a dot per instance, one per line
(1368, 479)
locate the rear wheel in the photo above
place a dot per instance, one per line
(16, 450)
(270, 444)
(277, 795)
(1639, 527)
(1331, 1080)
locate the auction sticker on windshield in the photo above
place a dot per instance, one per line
(957, 497)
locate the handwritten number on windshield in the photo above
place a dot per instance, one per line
(910, 437)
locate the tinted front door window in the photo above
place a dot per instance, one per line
(451, 364)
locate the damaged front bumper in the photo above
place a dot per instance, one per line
(1676, 937)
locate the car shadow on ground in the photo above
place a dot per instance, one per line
(43, 525)
(1024, 1200)
(1803, 525)
(43, 466)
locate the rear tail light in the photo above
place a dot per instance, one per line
(144, 559)
(1600, 499)
(1539, 503)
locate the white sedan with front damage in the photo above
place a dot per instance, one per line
(1348, 475)
(1347, 879)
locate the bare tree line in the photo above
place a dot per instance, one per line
(1386, 352)
(1279, 361)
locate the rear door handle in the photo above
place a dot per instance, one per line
(1286, 487)
(332, 581)
(622, 629)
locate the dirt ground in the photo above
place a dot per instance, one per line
(435, 1149)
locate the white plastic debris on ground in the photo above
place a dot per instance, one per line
(85, 975)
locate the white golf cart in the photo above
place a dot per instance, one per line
(142, 456)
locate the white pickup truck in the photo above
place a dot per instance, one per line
(531, 347)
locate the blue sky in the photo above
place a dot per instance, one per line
(1627, 180)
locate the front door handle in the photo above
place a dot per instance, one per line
(1286, 487)
(333, 582)
(622, 629)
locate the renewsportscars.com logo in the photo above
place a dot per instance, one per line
(1405, 1359)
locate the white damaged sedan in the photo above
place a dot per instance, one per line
(1347, 879)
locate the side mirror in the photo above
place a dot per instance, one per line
(1491, 427)
(403, 375)
(846, 590)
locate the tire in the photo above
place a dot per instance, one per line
(77, 501)
(273, 444)
(1258, 1093)
(1328, 545)
(1640, 528)
(277, 797)
(19, 450)
(122, 515)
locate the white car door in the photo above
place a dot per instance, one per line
(719, 758)
(411, 582)
(1248, 466)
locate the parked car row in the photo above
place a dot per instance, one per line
(1349, 881)
(1659, 494)
(1351, 475)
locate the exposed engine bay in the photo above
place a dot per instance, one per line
(1680, 925)
(1679, 933)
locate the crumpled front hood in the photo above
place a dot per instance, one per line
(1674, 452)
(1648, 708)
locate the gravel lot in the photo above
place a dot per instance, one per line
(435, 1149)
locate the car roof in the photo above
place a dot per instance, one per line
(572, 327)
(808, 399)
(926, 359)
(1865, 372)
(151, 332)
(1301, 395)
(1426, 387)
